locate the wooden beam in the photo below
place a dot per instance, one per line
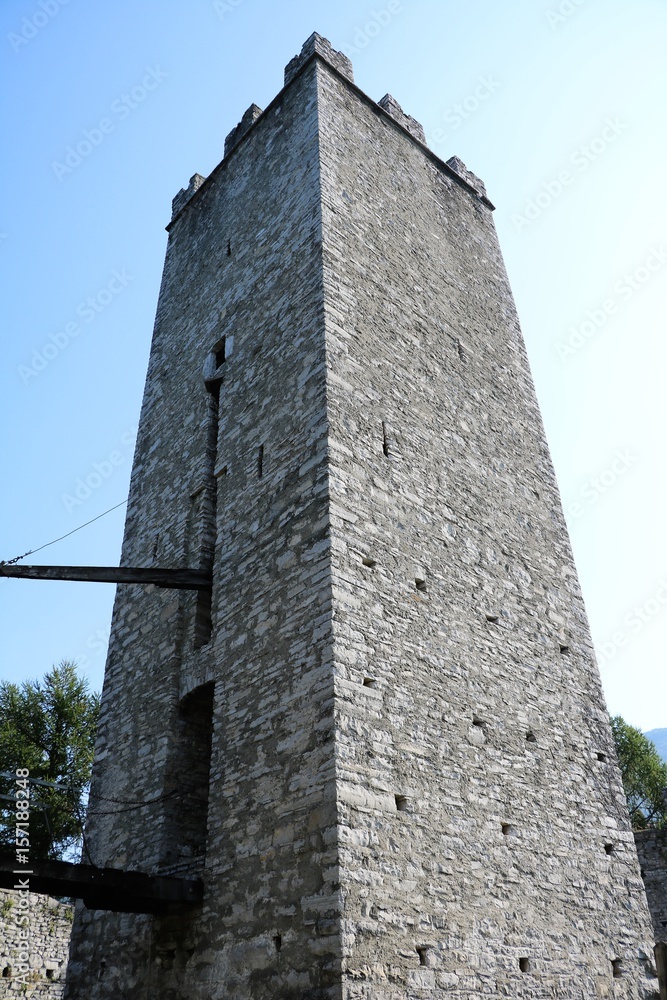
(174, 579)
(102, 888)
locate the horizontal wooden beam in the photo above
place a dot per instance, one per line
(174, 579)
(102, 888)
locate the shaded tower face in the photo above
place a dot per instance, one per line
(381, 740)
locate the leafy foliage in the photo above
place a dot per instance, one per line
(644, 776)
(48, 727)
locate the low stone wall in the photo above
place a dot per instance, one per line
(652, 853)
(50, 926)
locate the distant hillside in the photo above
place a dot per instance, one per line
(659, 738)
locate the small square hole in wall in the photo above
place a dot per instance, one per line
(50, 974)
(609, 848)
(422, 952)
(420, 584)
(476, 721)
(506, 828)
(531, 737)
(601, 757)
(524, 964)
(401, 803)
(616, 968)
(7, 972)
(220, 353)
(370, 682)
(563, 648)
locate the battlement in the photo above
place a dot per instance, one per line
(183, 197)
(247, 121)
(410, 124)
(322, 47)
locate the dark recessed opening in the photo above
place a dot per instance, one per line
(506, 828)
(385, 442)
(492, 617)
(369, 682)
(524, 965)
(531, 738)
(367, 561)
(602, 757)
(420, 584)
(50, 974)
(7, 972)
(476, 721)
(278, 941)
(219, 354)
(229, 248)
(617, 968)
(422, 952)
(260, 461)
(563, 648)
(103, 968)
(609, 848)
(401, 803)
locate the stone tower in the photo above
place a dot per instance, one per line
(381, 739)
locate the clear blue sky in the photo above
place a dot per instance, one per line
(558, 105)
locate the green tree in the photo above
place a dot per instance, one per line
(644, 775)
(49, 728)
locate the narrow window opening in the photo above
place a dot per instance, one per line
(524, 965)
(367, 561)
(492, 617)
(506, 828)
(422, 952)
(278, 942)
(260, 461)
(229, 248)
(617, 968)
(601, 757)
(220, 353)
(531, 737)
(420, 584)
(192, 762)
(609, 848)
(369, 682)
(385, 442)
(156, 544)
(103, 969)
(401, 803)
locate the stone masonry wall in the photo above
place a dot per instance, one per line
(652, 854)
(485, 847)
(50, 926)
(412, 791)
(243, 263)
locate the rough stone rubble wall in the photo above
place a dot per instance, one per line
(652, 854)
(243, 262)
(485, 844)
(50, 926)
(388, 520)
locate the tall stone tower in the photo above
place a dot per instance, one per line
(380, 740)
